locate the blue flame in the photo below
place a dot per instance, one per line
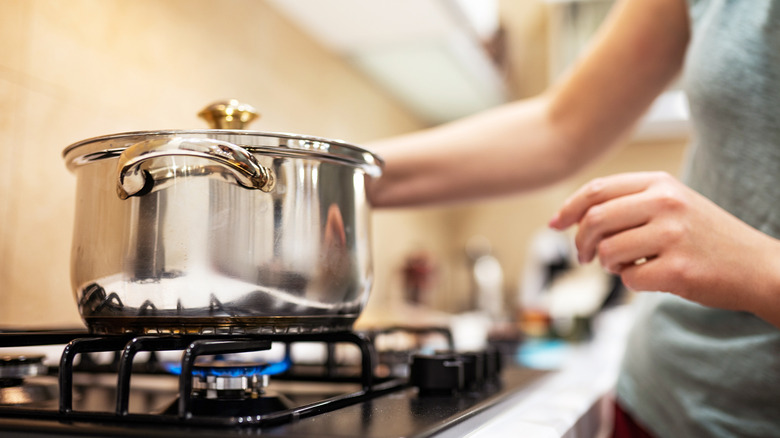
(234, 371)
(173, 368)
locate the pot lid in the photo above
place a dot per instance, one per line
(229, 118)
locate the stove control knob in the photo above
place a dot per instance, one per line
(473, 369)
(437, 374)
(493, 361)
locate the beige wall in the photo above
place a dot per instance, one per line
(73, 69)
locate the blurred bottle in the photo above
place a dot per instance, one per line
(419, 272)
(487, 277)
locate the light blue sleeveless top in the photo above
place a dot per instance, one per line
(689, 370)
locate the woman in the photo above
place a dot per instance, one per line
(704, 356)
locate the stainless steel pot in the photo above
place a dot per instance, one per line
(220, 230)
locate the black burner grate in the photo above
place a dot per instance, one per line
(193, 346)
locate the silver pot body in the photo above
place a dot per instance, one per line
(220, 231)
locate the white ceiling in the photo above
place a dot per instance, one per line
(427, 53)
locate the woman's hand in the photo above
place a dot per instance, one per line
(659, 235)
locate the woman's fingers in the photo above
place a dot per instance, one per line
(629, 249)
(610, 218)
(599, 191)
(608, 206)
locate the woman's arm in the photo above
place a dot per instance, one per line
(533, 143)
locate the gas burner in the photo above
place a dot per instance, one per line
(14, 369)
(238, 389)
(229, 380)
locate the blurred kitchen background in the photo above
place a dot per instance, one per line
(356, 70)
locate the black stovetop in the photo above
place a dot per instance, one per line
(106, 401)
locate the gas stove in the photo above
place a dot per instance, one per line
(226, 385)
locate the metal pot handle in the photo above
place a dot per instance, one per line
(138, 171)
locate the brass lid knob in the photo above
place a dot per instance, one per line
(228, 114)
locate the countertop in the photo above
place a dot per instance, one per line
(573, 401)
